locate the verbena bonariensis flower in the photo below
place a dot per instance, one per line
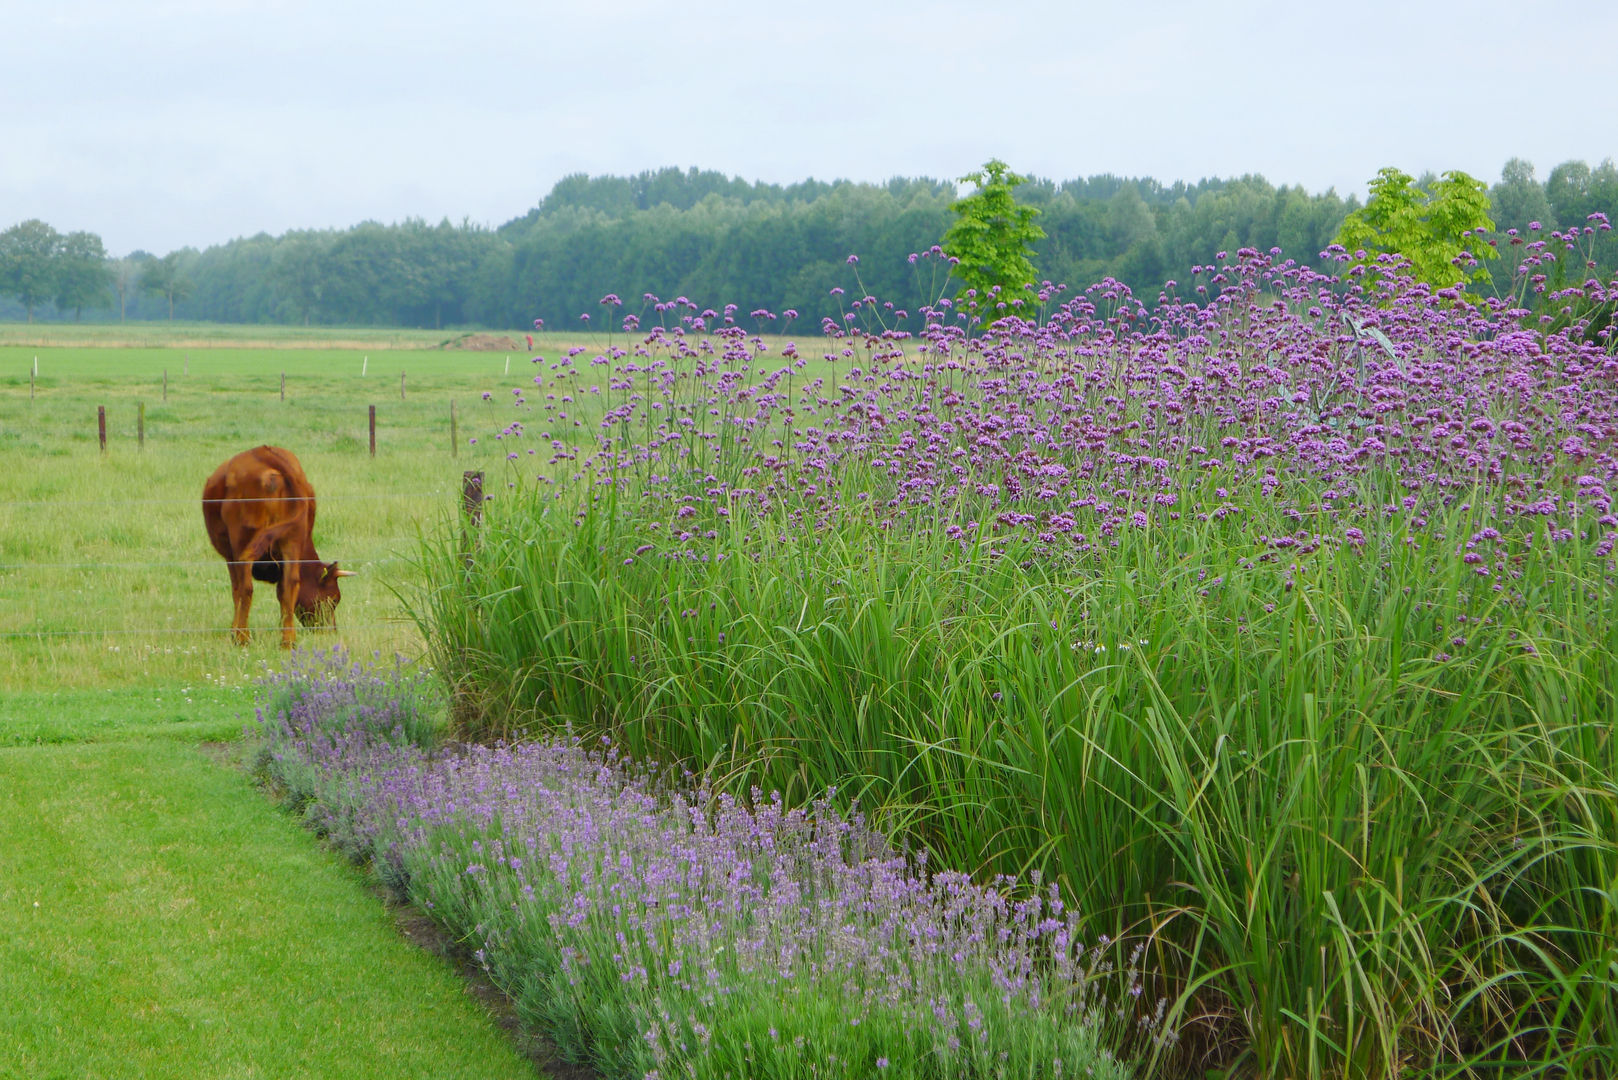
(662, 929)
(1352, 399)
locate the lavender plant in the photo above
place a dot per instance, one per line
(1274, 623)
(659, 930)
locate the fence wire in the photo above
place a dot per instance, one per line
(348, 561)
(197, 499)
(275, 629)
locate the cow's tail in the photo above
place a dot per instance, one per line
(266, 540)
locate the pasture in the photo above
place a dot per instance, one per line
(162, 917)
(106, 576)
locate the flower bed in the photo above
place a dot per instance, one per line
(654, 929)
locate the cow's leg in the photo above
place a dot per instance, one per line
(241, 590)
(286, 590)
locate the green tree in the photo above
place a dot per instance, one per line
(125, 279)
(83, 273)
(993, 234)
(299, 266)
(1425, 226)
(1520, 198)
(164, 277)
(30, 262)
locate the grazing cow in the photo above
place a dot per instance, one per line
(260, 512)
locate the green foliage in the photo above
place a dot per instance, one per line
(164, 277)
(1430, 228)
(30, 258)
(993, 237)
(83, 273)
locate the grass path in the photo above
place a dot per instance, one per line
(163, 919)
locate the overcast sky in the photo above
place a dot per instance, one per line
(164, 123)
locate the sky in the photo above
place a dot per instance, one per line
(161, 124)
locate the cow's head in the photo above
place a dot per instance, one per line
(318, 594)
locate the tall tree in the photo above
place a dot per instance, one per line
(83, 273)
(1519, 198)
(126, 277)
(993, 236)
(1568, 189)
(30, 262)
(164, 277)
(1427, 227)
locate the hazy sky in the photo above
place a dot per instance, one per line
(163, 123)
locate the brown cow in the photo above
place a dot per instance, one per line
(260, 513)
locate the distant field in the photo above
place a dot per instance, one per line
(106, 574)
(149, 335)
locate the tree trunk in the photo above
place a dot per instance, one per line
(171, 307)
(30, 311)
(120, 307)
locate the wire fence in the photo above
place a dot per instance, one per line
(347, 561)
(197, 499)
(393, 624)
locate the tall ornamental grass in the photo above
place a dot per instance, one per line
(1276, 627)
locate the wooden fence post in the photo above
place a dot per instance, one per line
(373, 431)
(283, 388)
(472, 507)
(472, 495)
(101, 426)
(401, 385)
(454, 438)
(140, 425)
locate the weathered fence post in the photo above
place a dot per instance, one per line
(472, 495)
(472, 507)
(140, 425)
(373, 431)
(283, 387)
(454, 438)
(101, 426)
(462, 706)
(401, 385)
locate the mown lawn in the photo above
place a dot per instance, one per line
(164, 919)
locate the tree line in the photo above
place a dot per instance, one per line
(713, 238)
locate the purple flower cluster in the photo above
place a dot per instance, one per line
(1348, 407)
(672, 931)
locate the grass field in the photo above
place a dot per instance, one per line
(102, 555)
(184, 927)
(163, 919)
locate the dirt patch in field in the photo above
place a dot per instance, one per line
(483, 343)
